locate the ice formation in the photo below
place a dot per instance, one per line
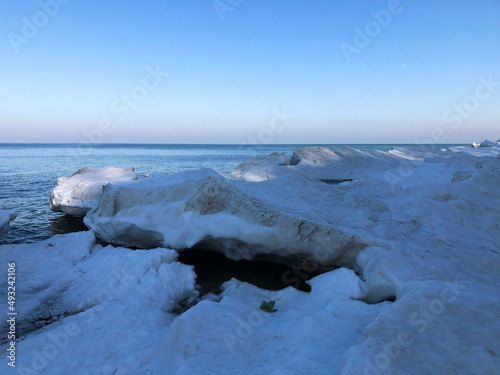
(5, 218)
(487, 143)
(79, 193)
(241, 219)
(259, 169)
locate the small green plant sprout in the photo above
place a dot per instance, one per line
(268, 306)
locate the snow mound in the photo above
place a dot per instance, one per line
(314, 155)
(91, 311)
(241, 220)
(335, 165)
(5, 218)
(79, 193)
(260, 169)
(486, 149)
(487, 143)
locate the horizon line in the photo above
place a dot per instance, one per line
(224, 144)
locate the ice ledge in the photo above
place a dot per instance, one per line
(79, 193)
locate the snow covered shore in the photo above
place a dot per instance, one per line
(322, 203)
(79, 193)
(437, 252)
(416, 232)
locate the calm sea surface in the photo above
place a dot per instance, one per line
(28, 173)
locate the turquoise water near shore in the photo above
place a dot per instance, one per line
(28, 173)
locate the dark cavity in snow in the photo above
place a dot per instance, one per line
(374, 301)
(65, 224)
(335, 181)
(213, 269)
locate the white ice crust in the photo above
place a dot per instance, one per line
(79, 193)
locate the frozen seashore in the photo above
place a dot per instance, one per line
(289, 211)
(438, 254)
(109, 311)
(419, 229)
(5, 218)
(421, 226)
(79, 193)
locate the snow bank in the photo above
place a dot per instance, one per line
(88, 309)
(349, 163)
(5, 218)
(335, 165)
(485, 149)
(241, 219)
(487, 143)
(79, 193)
(260, 169)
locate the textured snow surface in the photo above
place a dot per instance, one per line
(85, 309)
(259, 169)
(77, 194)
(5, 218)
(308, 334)
(487, 143)
(420, 230)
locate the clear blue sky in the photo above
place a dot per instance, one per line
(226, 77)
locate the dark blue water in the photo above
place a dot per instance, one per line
(28, 173)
